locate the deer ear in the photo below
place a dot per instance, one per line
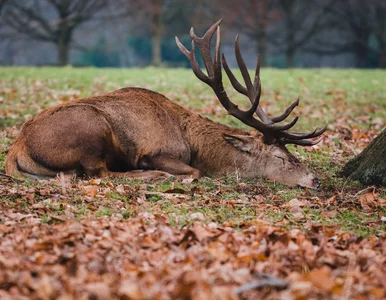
(242, 142)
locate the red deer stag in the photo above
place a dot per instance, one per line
(133, 128)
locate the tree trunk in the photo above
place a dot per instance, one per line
(361, 47)
(63, 43)
(361, 54)
(156, 49)
(262, 48)
(290, 41)
(158, 31)
(382, 59)
(369, 167)
(380, 35)
(290, 58)
(382, 52)
(63, 50)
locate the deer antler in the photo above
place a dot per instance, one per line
(272, 132)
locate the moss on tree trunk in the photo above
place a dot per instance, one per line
(369, 167)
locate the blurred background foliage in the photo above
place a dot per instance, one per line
(132, 33)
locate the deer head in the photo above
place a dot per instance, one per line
(278, 163)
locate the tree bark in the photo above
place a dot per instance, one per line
(361, 55)
(290, 36)
(369, 167)
(63, 51)
(290, 58)
(382, 50)
(382, 59)
(380, 33)
(156, 49)
(25, 19)
(262, 48)
(158, 30)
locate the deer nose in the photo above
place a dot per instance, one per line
(316, 183)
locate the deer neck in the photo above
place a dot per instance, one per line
(212, 154)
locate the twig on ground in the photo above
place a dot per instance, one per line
(59, 218)
(265, 280)
(365, 190)
(10, 177)
(63, 183)
(347, 288)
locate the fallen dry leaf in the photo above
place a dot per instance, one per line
(369, 201)
(90, 190)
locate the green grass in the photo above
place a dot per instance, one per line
(28, 90)
(343, 99)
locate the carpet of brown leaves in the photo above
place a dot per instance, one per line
(214, 239)
(146, 258)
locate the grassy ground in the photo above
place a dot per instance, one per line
(351, 102)
(217, 238)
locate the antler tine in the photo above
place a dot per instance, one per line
(286, 113)
(191, 56)
(255, 104)
(301, 142)
(286, 126)
(243, 67)
(302, 136)
(217, 62)
(203, 44)
(235, 83)
(257, 80)
(244, 71)
(252, 91)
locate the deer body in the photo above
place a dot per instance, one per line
(132, 128)
(119, 129)
(122, 126)
(124, 131)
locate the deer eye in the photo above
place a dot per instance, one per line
(282, 159)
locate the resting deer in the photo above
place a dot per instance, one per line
(133, 128)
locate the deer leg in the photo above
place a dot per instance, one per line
(168, 164)
(155, 167)
(141, 175)
(93, 166)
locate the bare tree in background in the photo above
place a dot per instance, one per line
(379, 28)
(300, 22)
(52, 21)
(155, 16)
(252, 17)
(2, 2)
(360, 22)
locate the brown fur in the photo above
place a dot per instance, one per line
(133, 128)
